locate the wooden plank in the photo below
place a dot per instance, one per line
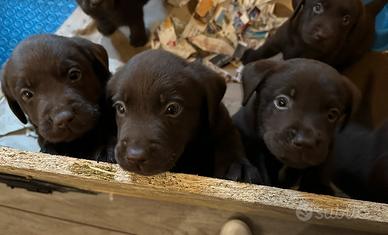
(193, 198)
(19, 222)
(113, 212)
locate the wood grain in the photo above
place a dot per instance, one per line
(141, 216)
(20, 222)
(177, 203)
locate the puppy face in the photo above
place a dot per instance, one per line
(161, 104)
(58, 83)
(326, 24)
(299, 104)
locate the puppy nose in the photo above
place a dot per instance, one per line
(62, 119)
(319, 35)
(135, 154)
(303, 141)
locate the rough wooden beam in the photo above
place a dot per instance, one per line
(256, 202)
(21, 222)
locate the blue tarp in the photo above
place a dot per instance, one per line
(21, 18)
(381, 36)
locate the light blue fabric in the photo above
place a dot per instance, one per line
(381, 35)
(381, 38)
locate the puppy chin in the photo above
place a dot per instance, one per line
(66, 135)
(62, 136)
(77, 129)
(291, 161)
(318, 45)
(299, 159)
(155, 163)
(146, 169)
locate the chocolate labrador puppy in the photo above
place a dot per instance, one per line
(290, 112)
(58, 84)
(361, 162)
(111, 14)
(335, 32)
(170, 118)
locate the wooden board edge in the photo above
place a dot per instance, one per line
(195, 190)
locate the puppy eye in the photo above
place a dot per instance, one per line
(173, 109)
(333, 115)
(74, 74)
(26, 94)
(120, 107)
(95, 3)
(318, 8)
(282, 102)
(346, 20)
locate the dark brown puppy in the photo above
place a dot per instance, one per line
(59, 83)
(170, 117)
(361, 162)
(335, 32)
(291, 110)
(111, 14)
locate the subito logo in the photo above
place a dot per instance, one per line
(303, 215)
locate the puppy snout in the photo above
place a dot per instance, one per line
(320, 34)
(63, 119)
(303, 139)
(136, 154)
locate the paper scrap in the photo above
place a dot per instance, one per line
(203, 7)
(178, 3)
(214, 45)
(166, 33)
(193, 28)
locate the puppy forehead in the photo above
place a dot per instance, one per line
(345, 6)
(308, 79)
(150, 76)
(156, 83)
(34, 59)
(353, 7)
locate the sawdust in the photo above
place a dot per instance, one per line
(184, 188)
(96, 171)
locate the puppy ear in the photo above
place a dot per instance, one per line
(214, 86)
(13, 104)
(352, 101)
(97, 55)
(359, 27)
(298, 7)
(113, 84)
(253, 75)
(295, 3)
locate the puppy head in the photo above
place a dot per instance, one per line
(325, 25)
(58, 83)
(161, 102)
(299, 104)
(96, 7)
